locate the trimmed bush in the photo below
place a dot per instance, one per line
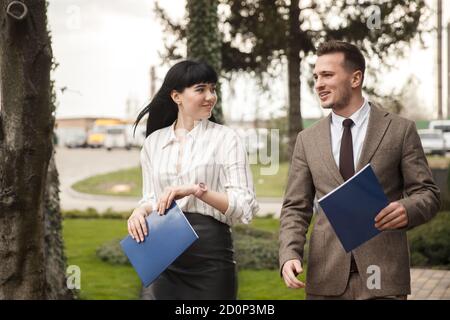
(256, 253)
(430, 243)
(254, 249)
(112, 253)
(91, 213)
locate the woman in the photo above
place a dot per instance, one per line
(203, 166)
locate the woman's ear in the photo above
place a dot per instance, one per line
(175, 95)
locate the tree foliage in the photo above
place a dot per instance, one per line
(258, 35)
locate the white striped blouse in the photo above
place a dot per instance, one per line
(213, 154)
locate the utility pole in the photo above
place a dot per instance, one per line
(439, 58)
(152, 82)
(448, 70)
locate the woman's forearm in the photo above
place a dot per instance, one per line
(216, 200)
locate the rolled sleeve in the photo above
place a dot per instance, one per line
(148, 194)
(242, 204)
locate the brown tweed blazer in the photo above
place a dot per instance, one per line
(393, 148)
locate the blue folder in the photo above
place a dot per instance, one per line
(168, 237)
(352, 207)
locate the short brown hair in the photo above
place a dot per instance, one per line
(353, 58)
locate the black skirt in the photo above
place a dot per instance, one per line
(205, 271)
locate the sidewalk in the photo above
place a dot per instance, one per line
(427, 284)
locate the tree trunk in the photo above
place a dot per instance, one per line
(294, 85)
(25, 148)
(55, 260)
(203, 40)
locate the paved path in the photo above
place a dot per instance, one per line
(78, 164)
(427, 284)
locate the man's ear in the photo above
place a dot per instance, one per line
(357, 79)
(175, 95)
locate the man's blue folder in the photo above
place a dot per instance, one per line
(168, 237)
(352, 207)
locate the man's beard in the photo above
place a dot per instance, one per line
(342, 102)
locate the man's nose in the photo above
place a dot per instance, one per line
(318, 85)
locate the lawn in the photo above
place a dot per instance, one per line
(100, 280)
(102, 184)
(265, 185)
(266, 285)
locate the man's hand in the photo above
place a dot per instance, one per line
(392, 217)
(174, 193)
(291, 269)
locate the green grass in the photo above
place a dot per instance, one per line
(271, 185)
(267, 285)
(100, 280)
(101, 184)
(267, 224)
(265, 185)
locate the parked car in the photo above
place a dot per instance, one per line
(77, 141)
(116, 137)
(72, 137)
(136, 138)
(433, 141)
(444, 126)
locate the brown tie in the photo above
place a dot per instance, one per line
(346, 166)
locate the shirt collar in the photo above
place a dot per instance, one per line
(193, 134)
(358, 117)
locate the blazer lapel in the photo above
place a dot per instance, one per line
(324, 146)
(378, 124)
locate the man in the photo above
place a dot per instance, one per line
(355, 133)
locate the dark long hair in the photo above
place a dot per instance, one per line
(162, 110)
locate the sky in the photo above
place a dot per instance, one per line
(105, 49)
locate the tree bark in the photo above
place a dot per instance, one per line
(294, 85)
(55, 259)
(25, 149)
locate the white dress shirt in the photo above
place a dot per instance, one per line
(213, 154)
(359, 129)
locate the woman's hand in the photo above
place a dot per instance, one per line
(174, 193)
(137, 226)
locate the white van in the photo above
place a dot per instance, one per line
(444, 126)
(116, 137)
(433, 141)
(136, 139)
